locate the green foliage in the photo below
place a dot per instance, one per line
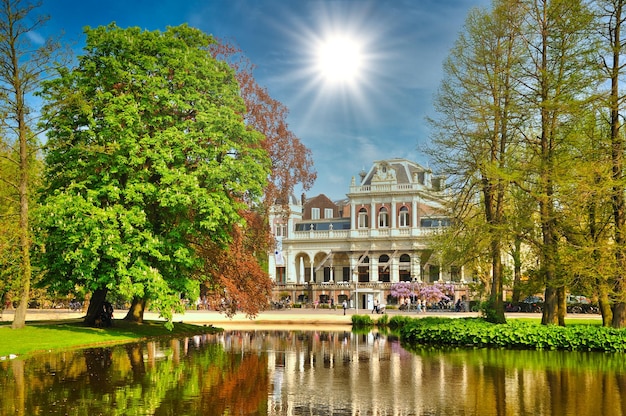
(147, 155)
(361, 321)
(383, 321)
(517, 334)
(490, 313)
(398, 321)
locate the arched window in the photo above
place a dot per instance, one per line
(405, 268)
(363, 218)
(383, 218)
(364, 270)
(383, 268)
(403, 217)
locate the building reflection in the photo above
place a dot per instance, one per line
(339, 373)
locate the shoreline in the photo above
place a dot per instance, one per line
(270, 318)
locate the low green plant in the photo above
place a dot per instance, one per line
(516, 334)
(383, 321)
(361, 321)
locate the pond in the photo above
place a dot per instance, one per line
(274, 372)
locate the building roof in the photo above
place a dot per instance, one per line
(396, 171)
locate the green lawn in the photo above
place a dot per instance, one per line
(568, 321)
(58, 335)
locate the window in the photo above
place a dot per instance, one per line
(315, 213)
(328, 212)
(383, 268)
(363, 218)
(281, 230)
(403, 218)
(364, 270)
(455, 273)
(383, 218)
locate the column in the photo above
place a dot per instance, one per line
(416, 267)
(394, 215)
(373, 216)
(290, 264)
(394, 270)
(373, 269)
(353, 218)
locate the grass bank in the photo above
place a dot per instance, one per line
(59, 335)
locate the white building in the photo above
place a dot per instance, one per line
(356, 248)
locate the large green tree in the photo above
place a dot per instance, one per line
(147, 153)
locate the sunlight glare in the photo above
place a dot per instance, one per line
(339, 59)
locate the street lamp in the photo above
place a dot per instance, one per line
(355, 275)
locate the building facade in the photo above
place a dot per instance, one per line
(356, 248)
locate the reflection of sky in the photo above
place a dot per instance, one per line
(278, 382)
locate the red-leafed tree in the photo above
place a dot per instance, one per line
(292, 162)
(237, 279)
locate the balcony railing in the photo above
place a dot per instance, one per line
(386, 188)
(363, 233)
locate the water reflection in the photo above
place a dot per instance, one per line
(313, 373)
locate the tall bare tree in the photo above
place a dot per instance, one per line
(24, 61)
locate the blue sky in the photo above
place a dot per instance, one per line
(375, 114)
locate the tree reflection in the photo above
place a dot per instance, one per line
(316, 372)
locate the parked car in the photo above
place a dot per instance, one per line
(532, 304)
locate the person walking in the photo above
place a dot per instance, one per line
(345, 306)
(375, 306)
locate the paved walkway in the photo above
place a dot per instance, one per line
(296, 316)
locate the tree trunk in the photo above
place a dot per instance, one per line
(549, 307)
(135, 313)
(19, 319)
(497, 302)
(561, 301)
(619, 315)
(95, 306)
(605, 307)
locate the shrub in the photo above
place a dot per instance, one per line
(476, 332)
(360, 321)
(383, 321)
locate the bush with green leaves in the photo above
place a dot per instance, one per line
(360, 321)
(476, 332)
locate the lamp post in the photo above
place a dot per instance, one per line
(356, 291)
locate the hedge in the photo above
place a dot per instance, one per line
(478, 333)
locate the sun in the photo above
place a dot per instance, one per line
(339, 59)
